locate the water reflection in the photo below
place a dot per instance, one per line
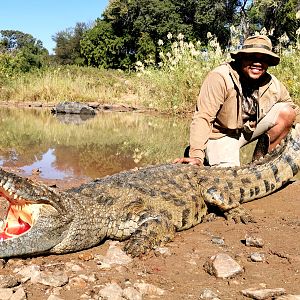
(74, 118)
(47, 167)
(106, 144)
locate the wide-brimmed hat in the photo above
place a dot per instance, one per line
(258, 44)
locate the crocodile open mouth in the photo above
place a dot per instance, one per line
(18, 217)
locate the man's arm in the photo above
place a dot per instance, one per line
(211, 98)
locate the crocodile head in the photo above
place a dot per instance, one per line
(35, 220)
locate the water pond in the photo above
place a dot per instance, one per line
(60, 147)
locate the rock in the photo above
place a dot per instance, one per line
(209, 295)
(252, 241)
(73, 108)
(19, 295)
(217, 240)
(149, 289)
(8, 281)
(55, 279)
(90, 278)
(114, 256)
(27, 272)
(73, 267)
(5, 294)
(163, 251)
(86, 256)
(261, 294)
(112, 291)
(257, 257)
(222, 266)
(78, 282)
(131, 293)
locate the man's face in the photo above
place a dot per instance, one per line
(254, 65)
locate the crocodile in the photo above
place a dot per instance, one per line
(73, 108)
(142, 207)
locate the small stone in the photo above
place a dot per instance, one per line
(222, 266)
(90, 278)
(234, 282)
(28, 271)
(257, 257)
(131, 293)
(252, 241)
(19, 295)
(111, 291)
(217, 240)
(8, 281)
(55, 279)
(73, 267)
(208, 294)
(78, 282)
(149, 289)
(261, 294)
(164, 251)
(86, 256)
(114, 256)
(5, 294)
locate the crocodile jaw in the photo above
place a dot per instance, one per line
(33, 222)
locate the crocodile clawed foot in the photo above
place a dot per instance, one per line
(209, 217)
(136, 247)
(239, 215)
(151, 234)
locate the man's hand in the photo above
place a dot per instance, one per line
(188, 160)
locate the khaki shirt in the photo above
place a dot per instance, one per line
(219, 105)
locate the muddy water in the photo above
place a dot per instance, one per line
(61, 147)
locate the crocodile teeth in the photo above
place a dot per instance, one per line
(7, 185)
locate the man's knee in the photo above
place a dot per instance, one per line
(286, 116)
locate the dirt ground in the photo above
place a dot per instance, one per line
(181, 274)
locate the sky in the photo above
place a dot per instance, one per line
(44, 18)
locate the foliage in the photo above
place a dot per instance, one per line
(68, 50)
(13, 40)
(20, 52)
(278, 17)
(101, 47)
(130, 29)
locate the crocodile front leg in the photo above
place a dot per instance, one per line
(239, 215)
(152, 232)
(222, 198)
(227, 203)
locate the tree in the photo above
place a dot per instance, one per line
(100, 46)
(14, 40)
(278, 16)
(68, 50)
(130, 29)
(22, 51)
